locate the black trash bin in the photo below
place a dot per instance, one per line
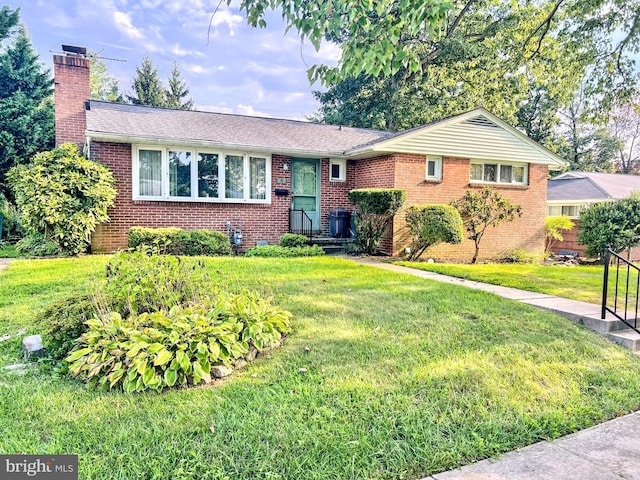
(339, 222)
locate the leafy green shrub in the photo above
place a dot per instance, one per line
(519, 255)
(62, 323)
(293, 240)
(12, 228)
(553, 227)
(432, 224)
(36, 245)
(284, 252)
(140, 282)
(483, 209)
(163, 349)
(176, 241)
(63, 196)
(610, 223)
(374, 207)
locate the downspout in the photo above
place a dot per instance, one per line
(87, 147)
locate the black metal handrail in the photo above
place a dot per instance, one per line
(300, 223)
(629, 313)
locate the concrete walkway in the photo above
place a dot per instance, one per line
(607, 451)
(4, 263)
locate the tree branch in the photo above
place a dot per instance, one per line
(544, 27)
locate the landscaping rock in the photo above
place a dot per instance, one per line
(221, 371)
(240, 364)
(17, 369)
(32, 346)
(251, 354)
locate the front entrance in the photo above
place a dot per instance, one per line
(305, 188)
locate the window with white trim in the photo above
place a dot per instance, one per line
(167, 173)
(337, 170)
(434, 168)
(498, 172)
(572, 211)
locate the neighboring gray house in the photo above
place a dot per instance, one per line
(570, 193)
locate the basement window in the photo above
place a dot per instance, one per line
(182, 174)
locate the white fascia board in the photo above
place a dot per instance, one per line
(118, 138)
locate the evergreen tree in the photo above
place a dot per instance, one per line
(8, 20)
(27, 118)
(147, 86)
(178, 91)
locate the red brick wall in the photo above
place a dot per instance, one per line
(72, 90)
(260, 221)
(570, 242)
(334, 194)
(525, 233)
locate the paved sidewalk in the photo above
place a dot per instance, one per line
(4, 263)
(607, 451)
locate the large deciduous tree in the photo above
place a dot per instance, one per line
(104, 86)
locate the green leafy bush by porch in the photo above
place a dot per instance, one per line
(432, 224)
(164, 349)
(63, 196)
(35, 244)
(375, 207)
(293, 240)
(176, 241)
(278, 251)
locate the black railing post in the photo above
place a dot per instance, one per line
(605, 283)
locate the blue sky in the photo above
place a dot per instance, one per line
(241, 70)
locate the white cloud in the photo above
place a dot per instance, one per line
(250, 111)
(123, 23)
(292, 97)
(181, 52)
(270, 69)
(225, 17)
(214, 108)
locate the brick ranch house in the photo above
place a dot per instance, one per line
(195, 169)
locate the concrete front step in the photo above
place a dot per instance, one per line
(628, 338)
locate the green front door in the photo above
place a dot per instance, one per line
(305, 187)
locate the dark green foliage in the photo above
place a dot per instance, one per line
(166, 349)
(62, 323)
(375, 207)
(285, 252)
(27, 120)
(35, 244)
(293, 240)
(176, 241)
(610, 223)
(12, 229)
(141, 281)
(432, 224)
(483, 209)
(177, 93)
(147, 86)
(8, 19)
(63, 196)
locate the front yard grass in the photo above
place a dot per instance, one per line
(404, 378)
(582, 282)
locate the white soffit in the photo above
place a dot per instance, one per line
(475, 135)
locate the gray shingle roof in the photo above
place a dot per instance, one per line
(592, 186)
(106, 119)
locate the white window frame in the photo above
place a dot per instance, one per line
(437, 171)
(342, 164)
(579, 206)
(499, 164)
(164, 149)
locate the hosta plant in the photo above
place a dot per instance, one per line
(165, 349)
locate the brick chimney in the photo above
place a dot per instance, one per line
(72, 91)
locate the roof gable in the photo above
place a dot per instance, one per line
(477, 134)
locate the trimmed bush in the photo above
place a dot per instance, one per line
(284, 252)
(375, 207)
(63, 196)
(165, 349)
(63, 322)
(293, 240)
(176, 241)
(432, 224)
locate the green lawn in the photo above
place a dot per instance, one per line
(578, 283)
(8, 251)
(405, 377)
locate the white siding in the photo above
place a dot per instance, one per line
(475, 138)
